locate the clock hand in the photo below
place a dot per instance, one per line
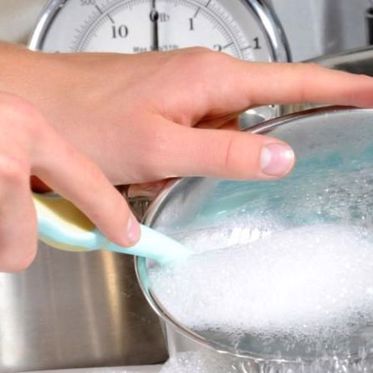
(154, 16)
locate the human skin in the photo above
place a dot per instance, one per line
(101, 119)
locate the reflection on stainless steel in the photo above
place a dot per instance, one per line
(358, 61)
(252, 117)
(73, 310)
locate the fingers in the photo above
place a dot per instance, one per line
(17, 216)
(79, 180)
(303, 82)
(248, 84)
(30, 146)
(226, 154)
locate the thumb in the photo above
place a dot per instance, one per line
(227, 154)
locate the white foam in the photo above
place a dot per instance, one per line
(197, 362)
(311, 281)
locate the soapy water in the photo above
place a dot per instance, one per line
(312, 194)
(298, 292)
(282, 270)
(196, 362)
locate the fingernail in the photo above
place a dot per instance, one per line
(276, 159)
(133, 230)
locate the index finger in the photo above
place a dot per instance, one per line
(250, 84)
(79, 180)
(284, 83)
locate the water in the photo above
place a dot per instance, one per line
(299, 292)
(283, 269)
(196, 362)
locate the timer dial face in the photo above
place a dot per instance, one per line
(240, 28)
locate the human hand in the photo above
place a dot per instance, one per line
(153, 116)
(29, 146)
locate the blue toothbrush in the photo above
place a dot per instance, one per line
(63, 226)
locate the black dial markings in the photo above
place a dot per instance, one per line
(154, 17)
(227, 46)
(199, 8)
(102, 12)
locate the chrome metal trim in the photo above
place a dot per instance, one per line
(272, 28)
(47, 15)
(271, 124)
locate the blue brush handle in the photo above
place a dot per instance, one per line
(153, 245)
(57, 229)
